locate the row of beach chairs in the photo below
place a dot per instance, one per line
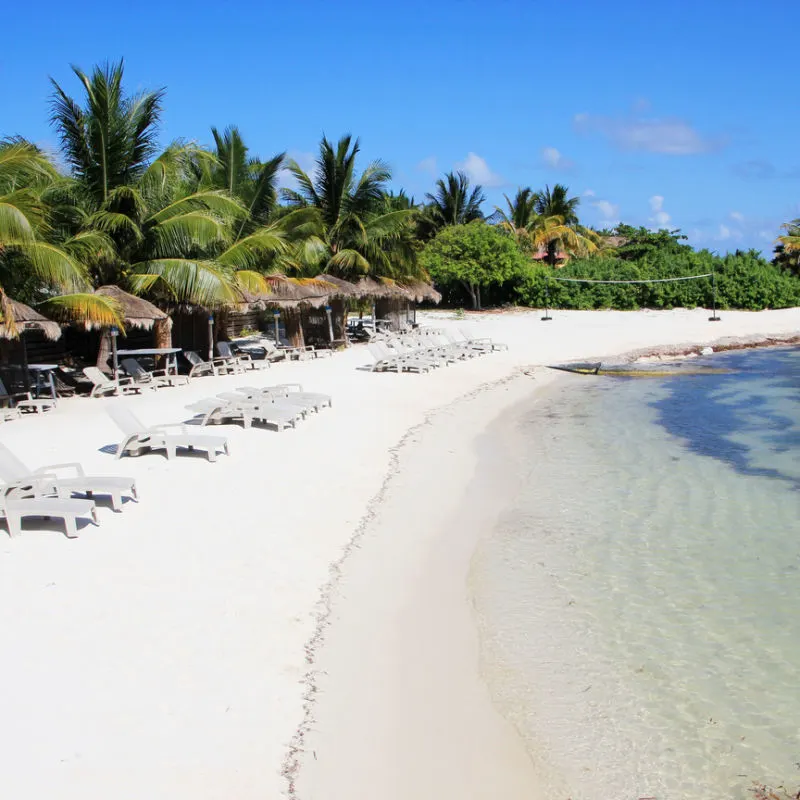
(428, 348)
(66, 492)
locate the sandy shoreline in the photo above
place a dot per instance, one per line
(163, 654)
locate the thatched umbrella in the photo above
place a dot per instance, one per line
(16, 318)
(418, 292)
(135, 312)
(341, 291)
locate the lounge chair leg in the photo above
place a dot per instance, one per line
(70, 527)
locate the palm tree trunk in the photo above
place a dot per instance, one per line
(104, 353)
(294, 328)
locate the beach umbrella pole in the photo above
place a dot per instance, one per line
(329, 314)
(114, 359)
(374, 319)
(546, 317)
(210, 337)
(26, 374)
(713, 317)
(276, 315)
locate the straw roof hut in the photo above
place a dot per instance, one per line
(418, 292)
(340, 287)
(135, 311)
(25, 318)
(286, 293)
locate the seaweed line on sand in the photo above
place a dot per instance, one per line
(324, 606)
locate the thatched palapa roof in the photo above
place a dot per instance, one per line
(135, 311)
(25, 318)
(289, 293)
(417, 292)
(338, 287)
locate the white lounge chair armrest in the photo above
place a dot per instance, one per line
(51, 469)
(169, 426)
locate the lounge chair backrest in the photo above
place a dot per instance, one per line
(376, 352)
(126, 420)
(11, 468)
(193, 358)
(3, 390)
(95, 375)
(224, 349)
(133, 368)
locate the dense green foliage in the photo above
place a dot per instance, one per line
(744, 280)
(473, 257)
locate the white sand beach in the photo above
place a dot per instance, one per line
(166, 653)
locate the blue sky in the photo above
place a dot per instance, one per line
(678, 115)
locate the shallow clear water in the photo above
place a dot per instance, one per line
(639, 603)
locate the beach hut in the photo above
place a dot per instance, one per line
(136, 313)
(331, 328)
(18, 319)
(287, 299)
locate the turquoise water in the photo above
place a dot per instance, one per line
(639, 602)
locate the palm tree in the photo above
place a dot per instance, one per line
(787, 251)
(453, 203)
(341, 222)
(35, 263)
(519, 218)
(173, 237)
(557, 227)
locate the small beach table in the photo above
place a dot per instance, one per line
(43, 378)
(170, 353)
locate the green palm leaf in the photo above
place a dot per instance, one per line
(91, 310)
(185, 281)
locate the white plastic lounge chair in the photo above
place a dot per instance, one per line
(103, 385)
(7, 413)
(25, 401)
(270, 410)
(484, 341)
(244, 360)
(467, 349)
(159, 437)
(46, 481)
(385, 360)
(292, 391)
(214, 410)
(154, 379)
(216, 366)
(14, 509)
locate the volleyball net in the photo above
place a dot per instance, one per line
(712, 318)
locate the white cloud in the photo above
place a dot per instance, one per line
(607, 210)
(554, 159)
(724, 233)
(478, 171)
(428, 165)
(589, 193)
(668, 135)
(737, 215)
(660, 217)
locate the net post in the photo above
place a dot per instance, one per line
(713, 317)
(546, 317)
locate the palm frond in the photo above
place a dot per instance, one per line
(88, 309)
(186, 281)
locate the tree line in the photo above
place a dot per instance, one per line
(194, 226)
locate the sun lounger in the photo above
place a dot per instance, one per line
(484, 341)
(467, 349)
(385, 360)
(160, 437)
(8, 413)
(214, 410)
(102, 384)
(15, 509)
(155, 379)
(49, 480)
(216, 366)
(25, 401)
(268, 409)
(244, 360)
(292, 391)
